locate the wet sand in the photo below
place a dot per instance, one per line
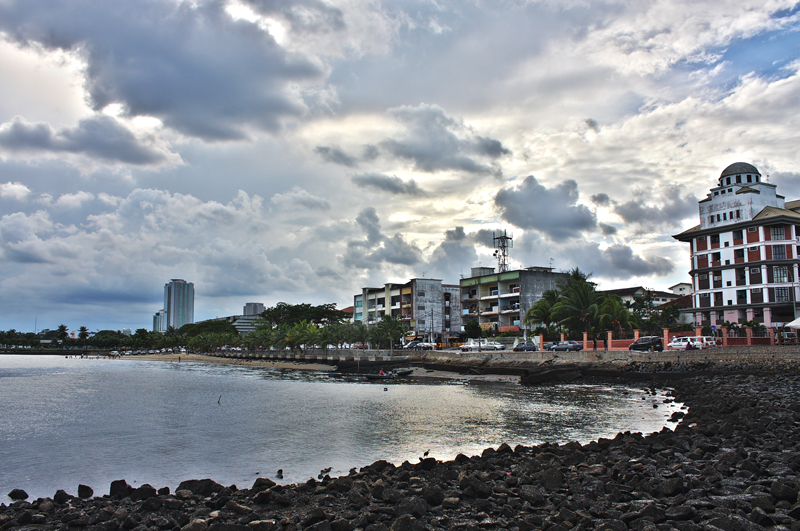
(203, 358)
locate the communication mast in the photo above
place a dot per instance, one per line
(502, 244)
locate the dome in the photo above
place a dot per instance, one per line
(738, 168)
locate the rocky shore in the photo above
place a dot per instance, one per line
(732, 463)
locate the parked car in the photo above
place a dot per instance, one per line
(527, 346)
(566, 346)
(485, 344)
(679, 343)
(411, 344)
(421, 345)
(549, 345)
(648, 343)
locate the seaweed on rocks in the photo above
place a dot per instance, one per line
(733, 462)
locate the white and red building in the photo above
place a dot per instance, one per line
(744, 252)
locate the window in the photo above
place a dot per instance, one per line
(738, 214)
(719, 218)
(780, 274)
(741, 295)
(755, 290)
(702, 256)
(722, 192)
(749, 178)
(421, 322)
(715, 238)
(777, 232)
(779, 252)
(420, 306)
(752, 249)
(703, 276)
(781, 294)
(738, 253)
(420, 294)
(704, 295)
(752, 229)
(701, 238)
(738, 235)
(716, 193)
(711, 219)
(727, 180)
(724, 216)
(755, 271)
(738, 178)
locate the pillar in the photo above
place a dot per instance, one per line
(772, 331)
(725, 332)
(563, 337)
(636, 334)
(610, 335)
(586, 341)
(749, 333)
(665, 339)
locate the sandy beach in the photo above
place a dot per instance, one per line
(203, 358)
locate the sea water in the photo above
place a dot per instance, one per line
(71, 421)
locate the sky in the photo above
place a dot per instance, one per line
(299, 150)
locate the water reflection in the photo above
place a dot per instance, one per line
(89, 421)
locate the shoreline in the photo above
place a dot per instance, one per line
(732, 462)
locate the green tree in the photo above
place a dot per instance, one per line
(63, 333)
(291, 314)
(83, 335)
(577, 307)
(392, 329)
(472, 329)
(614, 315)
(360, 334)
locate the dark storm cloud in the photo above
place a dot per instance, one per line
(623, 260)
(552, 211)
(453, 256)
(100, 137)
(435, 142)
(188, 64)
(663, 206)
(601, 199)
(370, 223)
(335, 155)
(392, 184)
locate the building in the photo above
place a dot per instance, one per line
(681, 288)
(424, 305)
(179, 303)
(244, 324)
(500, 301)
(744, 252)
(638, 293)
(160, 321)
(253, 308)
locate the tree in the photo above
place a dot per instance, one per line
(360, 334)
(291, 314)
(83, 335)
(392, 329)
(472, 329)
(614, 315)
(577, 308)
(63, 332)
(541, 313)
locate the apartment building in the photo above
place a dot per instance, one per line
(744, 252)
(499, 301)
(426, 306)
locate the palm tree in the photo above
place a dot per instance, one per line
(541, 313)
(62, 332)
(391, 328)
(614, 315)
(577, 308)
(83, 335)
(360, 334)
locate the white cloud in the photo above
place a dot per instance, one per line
(16, 191)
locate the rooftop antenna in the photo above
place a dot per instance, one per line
(551, 265)
(501, 244)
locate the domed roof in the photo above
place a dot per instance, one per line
(738, 168)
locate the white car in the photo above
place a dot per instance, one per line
(679, 343)
(485, 344)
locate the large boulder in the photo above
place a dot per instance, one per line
(18, 494)
(201, 487)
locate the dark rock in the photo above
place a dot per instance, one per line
(262, 484)
(264, 525)
(144, 492)
(18, 494)
(120, 489)
(201, 487)
(415, 506)
(227, 527)
(406, 523)
(61, 497)
(163, 491)
(783, 490)
(551, 478)
(85, 491)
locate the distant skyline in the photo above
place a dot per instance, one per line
(299, 151)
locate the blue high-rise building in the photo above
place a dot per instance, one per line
(179, 303)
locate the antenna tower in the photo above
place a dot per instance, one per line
(502, 244)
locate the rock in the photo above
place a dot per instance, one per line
(414, 506)
(18, 494)
(551, 478)
(406, 523)
(262, 484)
(201, 487)
(120, 489)
(84, 491)
(61, 497)
(450, 503)
(195, 525)
(144, 492)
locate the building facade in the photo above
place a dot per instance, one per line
(744, 252)
(160, 321)
(253, 308)
(499, 301)
(425, 306)
(179, 303)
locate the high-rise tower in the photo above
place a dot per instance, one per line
(179, 302)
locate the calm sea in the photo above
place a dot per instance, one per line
(71, 421)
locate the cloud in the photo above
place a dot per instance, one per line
(552, 211)
(658, 207)
(392, 184)
(102, 138)
(188, 64)
(75, 200)
(435, 142)
(335, 155)
(16, 191)
(378, 249)
(299, 197)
